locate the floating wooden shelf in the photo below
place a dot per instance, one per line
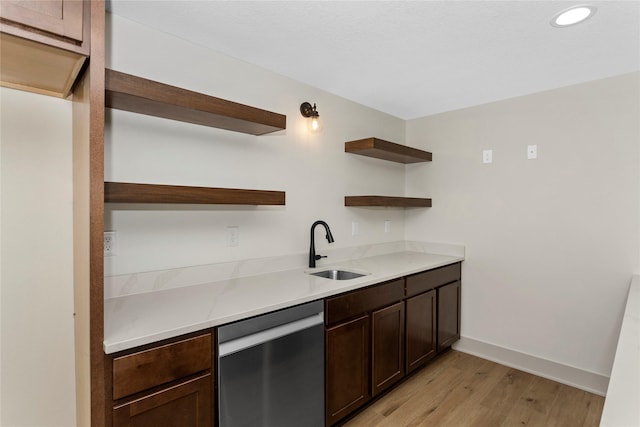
(385, 150)
(138, 95)
(123, 192)
(396, 202)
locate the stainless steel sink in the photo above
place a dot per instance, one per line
(337, 274)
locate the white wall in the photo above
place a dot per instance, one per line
(551, 243)
(37, 382)
(312, 168)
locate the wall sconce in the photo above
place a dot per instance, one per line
(310, 112)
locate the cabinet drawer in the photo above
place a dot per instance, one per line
(422, 282)
(187, 404)
(362, 301)
(139, 371)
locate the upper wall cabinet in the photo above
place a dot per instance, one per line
(61, 19)
(44, 44)
(385, 150)
(138, 95)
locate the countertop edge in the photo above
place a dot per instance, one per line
(115, 345)
(623, 393)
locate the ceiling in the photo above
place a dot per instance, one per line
(409, 58)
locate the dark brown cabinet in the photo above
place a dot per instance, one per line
(421, 329)
(168, 385)
(387, 336)
(448, 315)
(347, 365)
(378, 334)
(364, 346)
(433, 313)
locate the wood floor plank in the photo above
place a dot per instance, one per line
(440, 413)
(533, 407)
(466, 405)
(466, 418)
(367, 418)
(540, 394)
(502, 397)
(571, 408)
(508, 390)
(461, 390)
(594, 413)
(420, 405)
(420, 381)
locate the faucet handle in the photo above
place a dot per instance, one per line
(320, 256)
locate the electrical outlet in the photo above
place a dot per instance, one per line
(387, 226)
(110, 243)
(532, 152)
(233, 235)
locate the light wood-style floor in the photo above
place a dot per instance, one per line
(458, 390)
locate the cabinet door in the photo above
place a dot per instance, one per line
(421, 329)
(186, 404)
(347, 364)
(448, 315)
(387, 334)
(58, 17)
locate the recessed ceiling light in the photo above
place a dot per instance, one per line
(572, 16)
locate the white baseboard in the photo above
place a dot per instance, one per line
(565, 374)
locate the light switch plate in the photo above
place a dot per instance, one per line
(532, 152)
(355, 228)
(233, 235)
(487, 156)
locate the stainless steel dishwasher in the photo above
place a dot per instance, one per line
(271, 369)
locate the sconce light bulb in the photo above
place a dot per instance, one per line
(310, 112)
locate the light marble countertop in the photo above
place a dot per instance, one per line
(622, 403)
(141, 318)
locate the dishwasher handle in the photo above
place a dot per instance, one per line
(248, 341)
